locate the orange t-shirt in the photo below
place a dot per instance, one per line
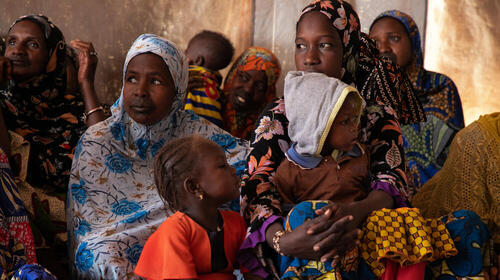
(180, 249)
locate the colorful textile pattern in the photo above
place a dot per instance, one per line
(207, 101)
(46, 116)
(426, 144)
(470, 177)
(33, 272)
(403, 236)
(113, 204)
(377, 80)
(295, 268)
(241, 124)
(16, 240)
(470, 235)
(379, 132)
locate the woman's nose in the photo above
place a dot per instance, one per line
(312, 57)
(18, 49)
(383, 46)
(142, 88)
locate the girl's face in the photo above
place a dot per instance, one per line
(217, 178)
(27, 49)
(392, 40)
(343, 134)
(148, 90)
(318, 46)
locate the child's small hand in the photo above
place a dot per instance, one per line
(195, 81)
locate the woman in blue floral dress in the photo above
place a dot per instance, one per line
(113, 204)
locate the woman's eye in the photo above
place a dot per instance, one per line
(131, 79)
(34, 45)
(11, 42)
(243, 78)
(261, 87)
(325, 45)
(156, 82)
(394, 39)
(300, 46)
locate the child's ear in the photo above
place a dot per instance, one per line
(200, 60)
(191, 187)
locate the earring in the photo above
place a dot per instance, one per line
(200, 196)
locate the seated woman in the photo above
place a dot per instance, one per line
(249, 85)
(470, 177)
(329, 41)
(113, 203)
(427, 143)
(37, 105)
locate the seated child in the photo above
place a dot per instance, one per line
(326, 164)
(198, 241)
(207, 53)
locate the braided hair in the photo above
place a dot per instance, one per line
(176, 161)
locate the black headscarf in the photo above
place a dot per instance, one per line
(45, 114)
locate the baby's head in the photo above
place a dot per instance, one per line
(343, 133)
(194, 170)
(323, 113)
(210, 49)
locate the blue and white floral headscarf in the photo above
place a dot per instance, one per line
(113, 205)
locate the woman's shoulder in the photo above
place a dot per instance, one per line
(100, 131)
(436, 79)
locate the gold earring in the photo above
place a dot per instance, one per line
(200, 196)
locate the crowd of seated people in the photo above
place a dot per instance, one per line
(362, 170)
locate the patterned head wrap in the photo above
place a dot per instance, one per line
(255, 58)
(44, 113)
(437, 92)
(377, 80)
(240, 124)
(172, 56)
(412, 30)
(54, 39)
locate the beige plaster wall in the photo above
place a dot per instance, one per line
(463, 42)
(274, 24)
(112, 26)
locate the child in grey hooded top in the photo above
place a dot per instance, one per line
(325, 161)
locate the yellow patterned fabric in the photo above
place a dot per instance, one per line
(470, 177)
(403, 236)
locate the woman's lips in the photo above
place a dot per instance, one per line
(142, 109)
(20, 62)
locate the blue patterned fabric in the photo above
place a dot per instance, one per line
(113, 205)
(470, 235)
(466, 229)
(296, 267)
(426, 143)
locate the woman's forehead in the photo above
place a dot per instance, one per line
(27, 27)
(148, 62)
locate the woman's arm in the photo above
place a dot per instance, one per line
(86, 72)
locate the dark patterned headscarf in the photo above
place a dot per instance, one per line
(438, 94)
(378, 80)
(45, 114)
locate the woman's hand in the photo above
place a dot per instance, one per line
(5, 69)
(316, 239)
(87, 60)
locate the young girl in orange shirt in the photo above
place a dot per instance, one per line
(198, 241)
